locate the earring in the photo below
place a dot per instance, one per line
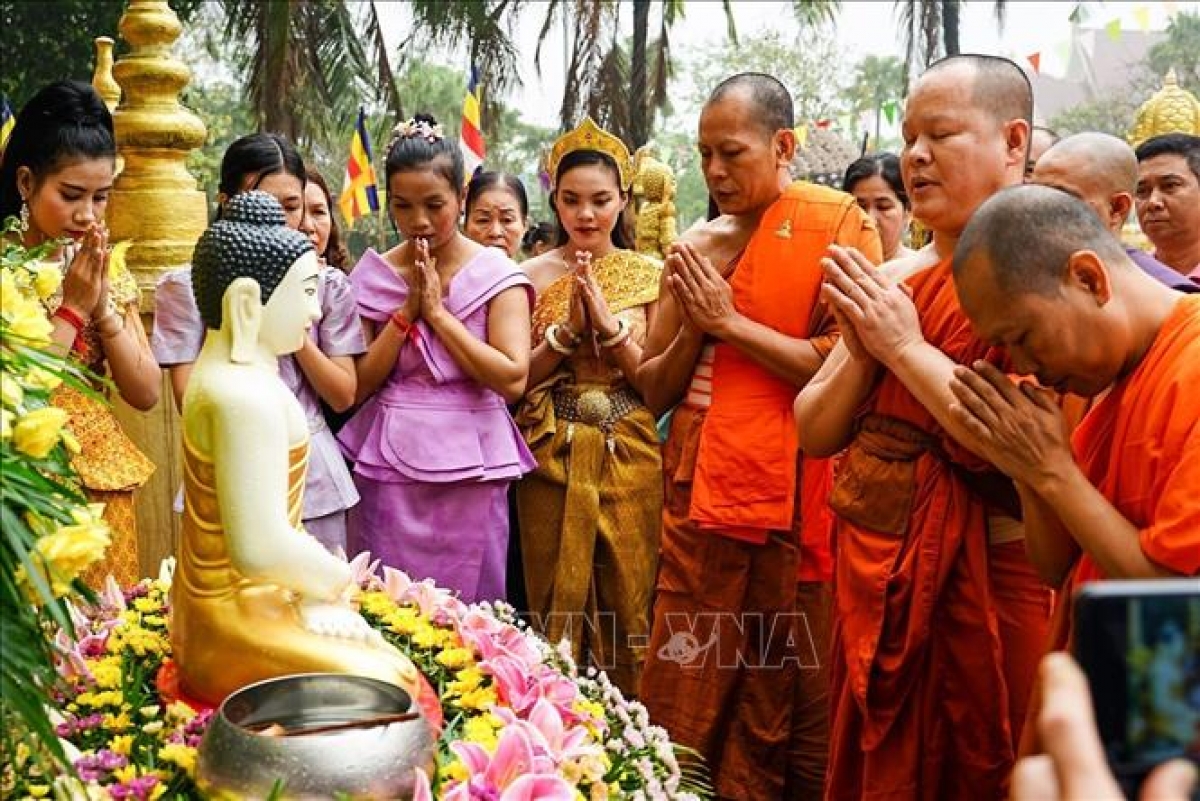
(24, 227)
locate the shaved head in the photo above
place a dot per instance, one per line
(999, 86)
(1027, 234)
(1109, 160)
(1099, 169)
(771, 100)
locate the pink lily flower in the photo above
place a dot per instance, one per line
(515, 772)
(363, 570)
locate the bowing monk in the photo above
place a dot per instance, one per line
(939, 616)
(1119, 498)
(737, 655)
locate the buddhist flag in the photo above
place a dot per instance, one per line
(6, 122)
(470, 136)
(360, 195)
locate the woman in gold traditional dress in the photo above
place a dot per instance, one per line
(56, 175)
(590, 514)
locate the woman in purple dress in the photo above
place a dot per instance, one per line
(434, 448)
(323, 370)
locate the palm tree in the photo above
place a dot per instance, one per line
(931, 29)
(307, 67)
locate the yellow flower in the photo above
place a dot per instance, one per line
(455, 658)
(39, 790)
(46, 279)
(65, 554)
(107, 672)
(480, 730)
(180, 712)
(29, 321)
(481, 699)
(37, 378)
(181, 755)
(456, 772)
(11, 393)
(10, 295)
(121, 744)
(36, 433)
(125, 773)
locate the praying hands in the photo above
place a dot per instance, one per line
(875, 313)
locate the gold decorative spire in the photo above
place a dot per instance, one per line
(102, 78)
(590, 136)
(155, 202)
(1171, 109)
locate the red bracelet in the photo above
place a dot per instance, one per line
(404, 326)
(72, 319)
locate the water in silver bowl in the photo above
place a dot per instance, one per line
(375, 762)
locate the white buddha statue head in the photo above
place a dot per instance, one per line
(255, 279)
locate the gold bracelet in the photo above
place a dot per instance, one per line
(554, 343)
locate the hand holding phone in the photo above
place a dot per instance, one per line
(1138, 642)
(1074, 766)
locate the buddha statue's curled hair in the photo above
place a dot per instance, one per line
(251, 239)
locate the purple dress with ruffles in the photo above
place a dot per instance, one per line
(328, 489)
(434, 451)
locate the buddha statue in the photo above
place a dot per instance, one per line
(1172, 109)
(654, 187)
(254, 596)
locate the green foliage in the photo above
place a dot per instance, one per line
(50, 40)
(1111, 115)
(810, 65)
(36, 494)
(1179, 51)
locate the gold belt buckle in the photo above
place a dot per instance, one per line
(594, 406)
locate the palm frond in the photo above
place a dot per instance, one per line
(815, 13)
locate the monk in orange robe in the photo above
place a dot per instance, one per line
(1121, 499)
(939, 615)
(735, 665)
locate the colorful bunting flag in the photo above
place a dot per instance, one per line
(360, 194)
(890, 108)
(1141, 15)
(1113, 29)
(470, 135)
(802, 135)
(1035, 60)
(7, 121)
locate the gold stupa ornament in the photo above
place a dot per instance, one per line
(590, 136)
(155, 202)
(1172, 109)
(102, 78)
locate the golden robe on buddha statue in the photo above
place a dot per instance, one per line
(254, 596)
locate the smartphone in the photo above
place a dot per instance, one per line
(1139, 644)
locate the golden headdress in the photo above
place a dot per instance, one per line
(590, 136)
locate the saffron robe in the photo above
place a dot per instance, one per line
(1140, 446)
(735, 668)
(927, 667)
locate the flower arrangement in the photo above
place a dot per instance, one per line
(50, 535)
(518, 719)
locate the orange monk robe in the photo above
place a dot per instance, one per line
(1140, 446)
(936, 639)
(725, 670)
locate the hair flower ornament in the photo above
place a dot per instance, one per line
(411, 129)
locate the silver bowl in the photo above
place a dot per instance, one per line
(374, 762)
